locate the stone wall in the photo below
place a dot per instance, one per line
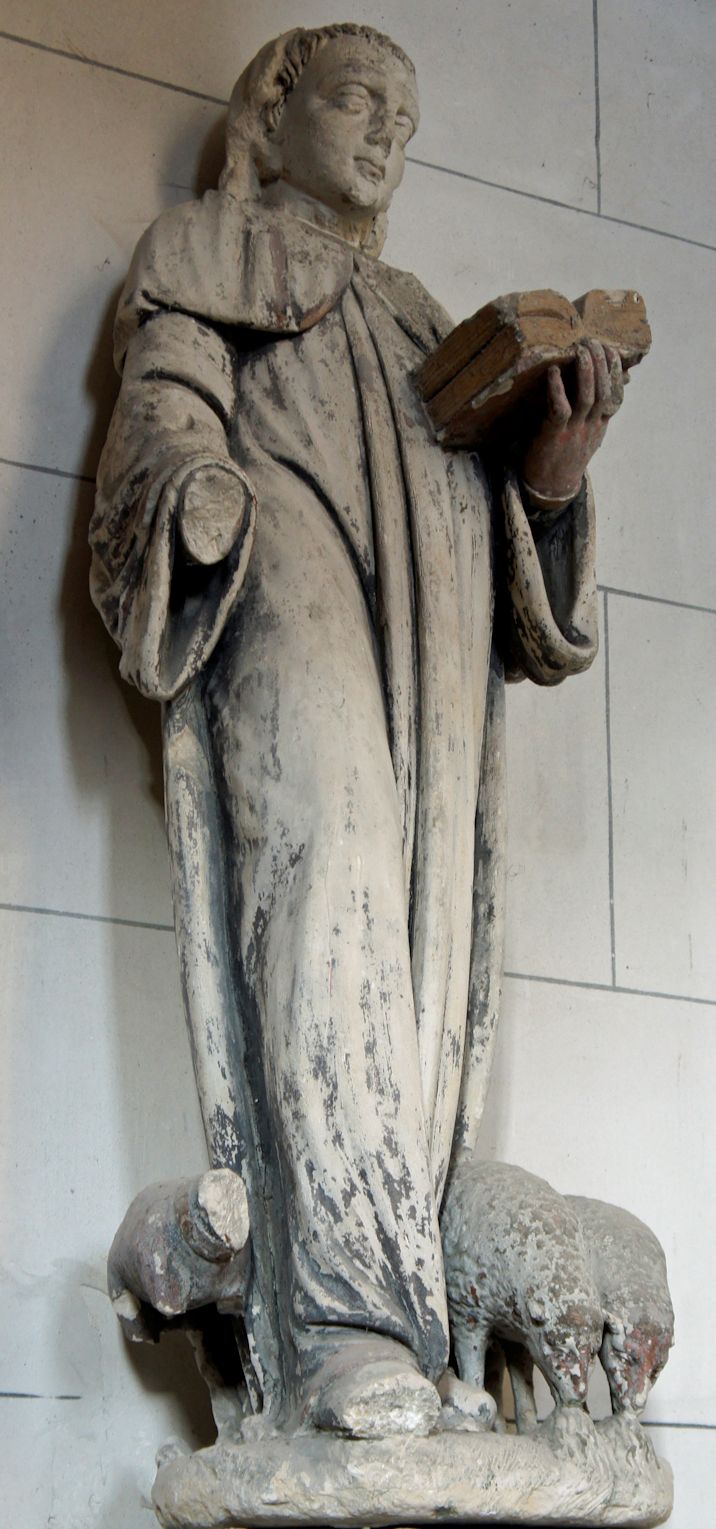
(564, 143)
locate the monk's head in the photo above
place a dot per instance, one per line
(330, 113)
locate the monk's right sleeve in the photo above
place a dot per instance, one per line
(550, 626)
(171, 422)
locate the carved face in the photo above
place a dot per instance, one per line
(633, 1361)
(564, 1343)
(345, 126)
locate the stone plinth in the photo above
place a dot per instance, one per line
(575, 1473)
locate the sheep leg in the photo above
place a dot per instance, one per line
(521, 1372)
(470, 1353)
(494, 1382)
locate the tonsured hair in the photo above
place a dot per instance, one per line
(302, 46)
(259, 96)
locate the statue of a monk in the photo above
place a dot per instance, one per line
(309, 584)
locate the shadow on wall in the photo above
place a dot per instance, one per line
(82, 629)
(91, 658)
(101, 1467)
(169, 1369)
(93, 690)
(211, 158)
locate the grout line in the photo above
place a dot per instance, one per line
(553, 201)
(707, 1427)
(532, 196)
(608, 987)
(52, 472)
(597, 987)
(648, 1424)
(597, 106)
(610, 797)
(635, 594)
(92, 918)
(95, 63)
(610, 589)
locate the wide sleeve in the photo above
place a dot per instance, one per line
(549, 619)
(169, 435)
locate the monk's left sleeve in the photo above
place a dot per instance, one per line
(550, 626)
(170, 428)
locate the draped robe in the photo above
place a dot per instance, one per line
(332, 697)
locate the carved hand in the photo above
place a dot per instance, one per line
(556, 459)
(215, 502)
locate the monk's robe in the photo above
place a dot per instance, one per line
(332, 695)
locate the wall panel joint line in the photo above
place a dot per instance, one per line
(597, 106)
(610, 797)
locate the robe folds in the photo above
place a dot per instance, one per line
(333, 703)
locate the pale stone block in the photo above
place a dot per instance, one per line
(657, 69)
(496, 83)
(166, 40)
(82, 791)
(557, 922)
(663, 729)
(611, 1096)
(87, 1460)
(99, 1101)
(653, 480)
(691, 1453)
(106, 154)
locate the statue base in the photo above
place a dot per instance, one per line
(566, 1471)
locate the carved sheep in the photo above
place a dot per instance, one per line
(181, 1245)
(629, 1268)
(517, 1269)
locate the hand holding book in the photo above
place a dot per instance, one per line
(558, 455)
(537, 378)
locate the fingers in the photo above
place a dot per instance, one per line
(600, 381)
(586, 383)
(617, 379)
(559, 408)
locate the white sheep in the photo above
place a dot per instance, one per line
(517, 1269)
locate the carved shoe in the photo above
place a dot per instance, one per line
(376, 1400)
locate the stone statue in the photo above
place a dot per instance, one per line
(327, 604)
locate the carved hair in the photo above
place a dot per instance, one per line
(260, 94)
